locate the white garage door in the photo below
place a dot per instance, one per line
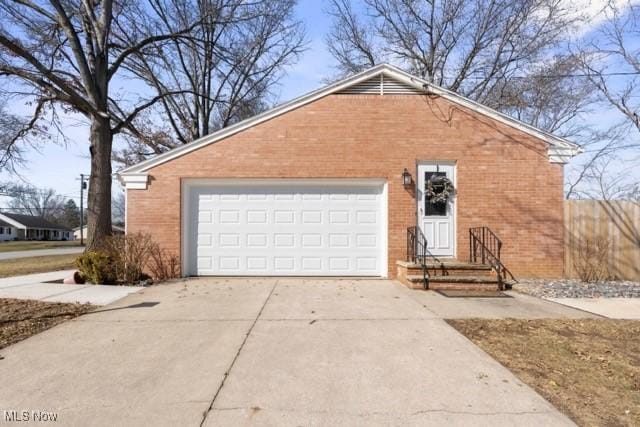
(287, 229)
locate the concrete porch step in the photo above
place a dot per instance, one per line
(451, 268)
(454, 282)
(453, 265)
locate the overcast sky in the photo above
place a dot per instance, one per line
(58, 165)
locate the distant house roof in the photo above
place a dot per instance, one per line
(4, 224)
(34, 221)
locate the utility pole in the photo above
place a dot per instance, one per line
(83, 186)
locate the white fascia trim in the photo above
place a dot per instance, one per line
(382, 69)
(13, 222)
(134, 181)
(283, 182)
(562, 154)
(384, 244)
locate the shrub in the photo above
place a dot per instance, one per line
(591, 259)
(124, 259)
(130, 254)
(96, 267)
(162, 264)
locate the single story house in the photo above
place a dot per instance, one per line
(28, 227)
(359, 178)
(115, 229)
(7, 232)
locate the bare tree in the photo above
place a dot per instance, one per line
(610, 60)
(552, 97)
(505, 54)
(223, 73)
(351, 38)
(606, 169)
(118, 208)
(29, 200)
(67, 53)
(12, 129)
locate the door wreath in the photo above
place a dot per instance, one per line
(438, 190)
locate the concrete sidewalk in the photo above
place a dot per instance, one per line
(34, 286)
(613, 308)
(517, 305)
(266, 352)
(40, 252)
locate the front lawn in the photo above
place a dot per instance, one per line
(24, 245)
(20, 319)
(38, 264)
(588, 368)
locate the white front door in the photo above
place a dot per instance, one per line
(436, 220)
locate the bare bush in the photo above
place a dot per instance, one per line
(126, 259)
(591, 259)
(163, 264)
(130, 254)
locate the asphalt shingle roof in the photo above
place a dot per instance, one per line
(34, 221)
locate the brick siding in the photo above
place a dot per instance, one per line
(504, 178)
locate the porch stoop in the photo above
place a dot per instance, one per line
(449, 275)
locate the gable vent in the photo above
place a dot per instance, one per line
(380, 85)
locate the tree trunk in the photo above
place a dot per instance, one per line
(99, 200)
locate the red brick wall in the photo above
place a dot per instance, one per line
(504, 178)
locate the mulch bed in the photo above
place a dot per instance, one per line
(588, 368)
(20, 319)
(572, 288)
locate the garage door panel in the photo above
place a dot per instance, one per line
(293, 230)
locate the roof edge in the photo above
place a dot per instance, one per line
(12, 221)
(254, 120)
(569, 148)
(488, 111)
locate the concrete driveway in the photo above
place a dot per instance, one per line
(40, 252)
(268, 352)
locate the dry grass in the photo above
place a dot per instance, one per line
(20, 319)
(39, 264)
(588, 368)
(28, 246)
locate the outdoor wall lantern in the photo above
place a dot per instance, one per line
(406, 178)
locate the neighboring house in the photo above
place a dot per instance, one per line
(115, 229)
(27, 227)
(7, 231)
(339, 181)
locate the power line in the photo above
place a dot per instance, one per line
(542, 76)
(560, 76)
(30, 210)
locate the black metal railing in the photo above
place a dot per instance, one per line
(485, 248)
(418, 252)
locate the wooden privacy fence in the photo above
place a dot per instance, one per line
(602, 238)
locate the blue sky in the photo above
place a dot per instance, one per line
(57, 165)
